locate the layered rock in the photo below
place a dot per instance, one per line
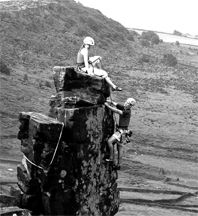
(70, 83)
(39, 137)
(64, 171)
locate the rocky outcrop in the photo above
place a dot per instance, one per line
(10, 198)
(64, 171)
(88, 89)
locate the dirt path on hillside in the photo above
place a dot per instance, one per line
(167, 186)
(149, 185)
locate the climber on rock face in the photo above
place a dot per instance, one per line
(124, 112)
(92, 65)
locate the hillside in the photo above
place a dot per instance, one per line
(37, 35)
(50, 32)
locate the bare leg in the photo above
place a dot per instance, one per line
(115, 88)
(103, 74)
(110, 82)
(110, 142)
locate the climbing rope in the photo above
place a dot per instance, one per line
(32, 162)
(57, 145)
(114, 117)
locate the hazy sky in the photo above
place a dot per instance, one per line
(159, 15)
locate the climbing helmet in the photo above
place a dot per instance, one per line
(130, 102)
(89, 41)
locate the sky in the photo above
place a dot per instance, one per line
(158, 15)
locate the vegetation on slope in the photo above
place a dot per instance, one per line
(45, 35)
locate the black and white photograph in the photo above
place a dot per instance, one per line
(98, 108)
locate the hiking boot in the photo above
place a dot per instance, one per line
(117, 89)
(118, 167)
(110, 162)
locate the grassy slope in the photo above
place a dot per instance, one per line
(165, 119)
(35, 39)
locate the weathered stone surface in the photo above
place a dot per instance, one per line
(89, 88)
(36, 127)
(86, 124)
(49, 156)
(47, 128)
(64, 171)
(11, 210)
(87, 129)
(79, 181)
(84, 97)
(10, 199)
(23, 178)
(7, 200)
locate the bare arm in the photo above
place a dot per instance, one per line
(113, 109)
(112, 102)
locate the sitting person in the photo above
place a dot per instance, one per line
(124, 112)
(92, 65)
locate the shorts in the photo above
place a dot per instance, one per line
(118, 135)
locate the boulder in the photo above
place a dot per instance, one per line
(64, 171)
(69, 176)
(74, 83)
(14, 210)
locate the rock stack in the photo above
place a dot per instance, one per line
(64, 171)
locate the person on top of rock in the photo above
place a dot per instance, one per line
(124, 112)
(92, 65)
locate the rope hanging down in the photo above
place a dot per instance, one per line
(45, 168)
(114, 117)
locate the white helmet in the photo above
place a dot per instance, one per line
(130, 101)
(89, 41)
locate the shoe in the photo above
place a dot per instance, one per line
(117, 89)
(118, 167)
(109, 160)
